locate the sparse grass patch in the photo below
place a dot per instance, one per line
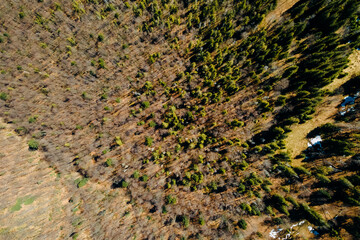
(80, 182)
(27, 200)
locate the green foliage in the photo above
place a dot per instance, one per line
(279, 203)
(152, 124)
(145, 104)
(288, 171)
(312, 216)
(323, 179)
(243, 165)
(278, 221)
(136, 174)
(292, 201)
(72, 41)
(322, 193)
(201, 221)
(33, 144)
(101, 63)
(264, 105)
(144, 178)
(345, 183)
(213, 186)
(149, 141)
(281, 157)
(236, 123)
(170, 199)
(33, 119)
(290, 71)
(185, 221)
(324, 130)
(109, 162)
(123, 184)
(21, 15)
(228, 57)
(246, 207)
(241, 188)
(301, 170)
(164, 210)
(80, 182)
(101, 37)
(338, 147)
(3, 96)
(118, 141)
(291, 120)
(153, 57)
(277, 133)
(269, 211)
(242, 224)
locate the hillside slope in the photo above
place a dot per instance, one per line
(179, 119)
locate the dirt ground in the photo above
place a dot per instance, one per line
(33, 198)
(296, 141)
(352, 70)
(275, 15)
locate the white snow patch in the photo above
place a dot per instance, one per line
(314, 141)
(348, 101)
(297, 224)
(274, 232)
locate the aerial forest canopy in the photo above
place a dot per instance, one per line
(189, 119)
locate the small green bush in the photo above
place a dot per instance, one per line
(170, 199)
(101, 63)
(345, 183)
(145, 104)
(3, 96)
(201, 221)
(302, 170)
(152, 124)
(242, 224)
(236, 123)
(323, 179)
(144, 178)
(124, 184)
(82, 182)
(136, 174)
(149, 141)
(185, 221)
(109, 162)
(21, 15)
(33, 144)
(101, 37)
(312, 216)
